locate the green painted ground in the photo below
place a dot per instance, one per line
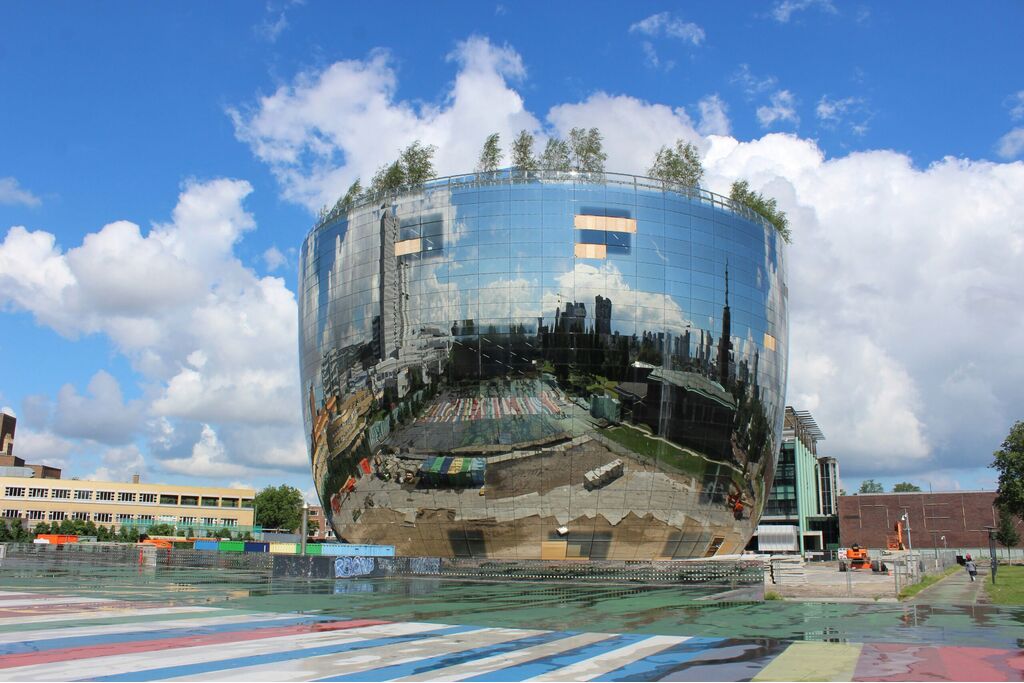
(669, 611)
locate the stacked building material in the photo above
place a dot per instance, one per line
(788, 570)
(603, 475)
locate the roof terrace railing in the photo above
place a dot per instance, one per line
(514, 176)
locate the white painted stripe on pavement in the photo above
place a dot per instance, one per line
(609, 661)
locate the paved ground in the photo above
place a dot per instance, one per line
(118, 624)
(956, 589)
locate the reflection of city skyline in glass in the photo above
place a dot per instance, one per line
(550, 367)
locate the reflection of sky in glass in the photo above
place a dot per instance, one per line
(503, 255)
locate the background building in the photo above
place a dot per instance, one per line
(801, 513)
(35, 493)
(202, 509)
(960, 516)
(558, 365)
(317, 520)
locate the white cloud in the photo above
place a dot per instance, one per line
(209, 459)
(783, 108)
(784, 11)
(103, 416)
(119, 464)
(630, 147)
(714, 116)
(274, 259)
(1011, 145)
(12, 193)
(665, 24)
(42, 447)
(327, 128)
(7, 410)
(753, 85)
(1015, 103)
(847, 110)
(212, 341)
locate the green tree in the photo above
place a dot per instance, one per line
(41, 528)
(5, 534)
(490, 156)
(159, 530)
(680, 165)
(279, 507)
(586, 149)
(763, 206)
(522, 153)
(102, 533)
(871, 486)
(388, 178)
(352, 195)
(418, 163)
(1009, 462)
(556, 156)
(906, 487)
(1006, 530)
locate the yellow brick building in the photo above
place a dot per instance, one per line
(107, 503)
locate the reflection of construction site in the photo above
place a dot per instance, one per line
(584, 497)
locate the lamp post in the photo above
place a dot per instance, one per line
(943, 539)
(906, 519)
(305, 523)
(992, 551)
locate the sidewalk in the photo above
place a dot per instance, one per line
(956, 589)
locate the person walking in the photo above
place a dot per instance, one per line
(971, 568)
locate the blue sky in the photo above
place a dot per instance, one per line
(892, 133)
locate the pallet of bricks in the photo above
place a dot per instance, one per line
(788, 570)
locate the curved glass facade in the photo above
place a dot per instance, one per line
(552, 367)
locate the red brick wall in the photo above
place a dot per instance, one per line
(960, 517)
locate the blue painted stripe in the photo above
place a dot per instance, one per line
(658, 665)
(543, 665)
(419, 666)
(200, 668)
(159, 634)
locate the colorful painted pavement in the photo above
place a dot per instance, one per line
(65, 637)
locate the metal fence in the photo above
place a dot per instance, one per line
(707, 576)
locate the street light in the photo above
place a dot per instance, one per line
(906, 519)
(943, 542)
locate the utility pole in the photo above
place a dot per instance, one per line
(305, 523)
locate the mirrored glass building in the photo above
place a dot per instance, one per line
(551, 366)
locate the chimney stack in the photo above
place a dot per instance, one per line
(135, 479)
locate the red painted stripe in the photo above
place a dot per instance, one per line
(25, 596)
(109, 649)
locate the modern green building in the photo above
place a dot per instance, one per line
(800, 513)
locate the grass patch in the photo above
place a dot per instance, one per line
(1009, 587)
(664, 453)
(928, 580)
(772, 595)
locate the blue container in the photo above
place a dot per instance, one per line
(355, 550)
(257, 547)
(204, 545)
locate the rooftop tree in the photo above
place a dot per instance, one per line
(587, 150)
(522, 153)
(418, 163)
(556, 156)
(871, 486)
(678, 165)
(906, 487)
(490, 156)
(352, 195)
(761, 205)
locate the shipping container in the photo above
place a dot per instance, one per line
(256, 547)
(231, 546)
(284, 548)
